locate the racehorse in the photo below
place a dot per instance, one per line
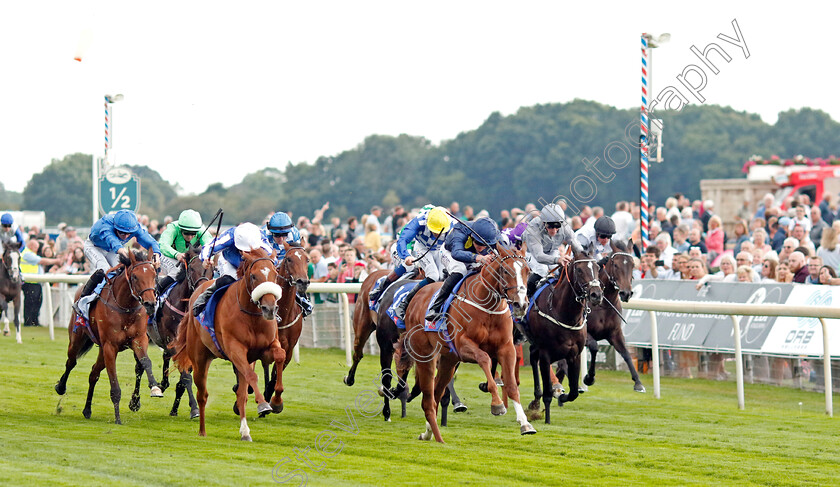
(165, 325)
(556, 326)
(10, 285)
(477, 326)
(117, 323)
(604, 322)
(365, 321)
(245, 330)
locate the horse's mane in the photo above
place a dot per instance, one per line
(619, 246)
(249, 257)
(139, 256)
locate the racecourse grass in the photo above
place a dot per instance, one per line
(694, 435)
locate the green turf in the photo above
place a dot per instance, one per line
(694, 435)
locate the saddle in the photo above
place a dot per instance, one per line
(399, 296)
(208, 316)
(436, 326)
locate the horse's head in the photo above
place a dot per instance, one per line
(583, 274)
(11, 258)
(293, 269)
(258, 272)
(617, 271)
(196, 273)
(511, 275)
(141, 275)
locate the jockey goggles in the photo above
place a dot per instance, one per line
(554, 224)
(280, 230)
(604, 235)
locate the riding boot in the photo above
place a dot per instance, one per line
(201, 301)
(533, 279)
(304, 303)
(90, 286)
(449, 284)
(164, 284)
(400, 313)
(382, 285)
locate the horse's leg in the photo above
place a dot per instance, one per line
(617, 341)
(134, 403)
(92, 379)
(279, 357)
(469, 349)
(534, 358)
(426, 376)
(77, 341)
(547, 393)
(164, 383)
(109, 352)
(482, 386)
(592, 345)
(362, 335)
(508, 360)
(187, 381)
(180, 387)
(241, 399)
(140, 346)
(201, 362)
(4, 310)
(385, 360)
(446, 370)
(17, 319)
(269, 377)
(574, 380)
(444, 405)
(457, 405)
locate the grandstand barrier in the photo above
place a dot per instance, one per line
(636, 312)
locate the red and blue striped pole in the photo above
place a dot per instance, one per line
(643, 144)
(107, 127)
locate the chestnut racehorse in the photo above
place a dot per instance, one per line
(477, 326)
(164, 327)
(118, 322)
(246, 332)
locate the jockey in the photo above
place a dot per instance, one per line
(106, 243)
(276, 232)
(173, 244)
(424, 233)
(512, 237)
(467, 246)
(231, 243)
(544, 236)
(598, 235)
(9, 231)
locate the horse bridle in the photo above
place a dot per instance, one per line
(194, 285)
(611, 261)
(284, 265)
(503, 294)
(247, 287)
(128, 271)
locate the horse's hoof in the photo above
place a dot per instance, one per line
(277, 409)
(60, 389)
(498, 409)
(194, 413)
(117, 421)
(246, 438)
(588, 380)
(582, 389)
(156, 392)
(639, 388)
(86, 413)
(164, 386)
(264, 407)
(500, 383)
(483, 387)
(235, 409)
(558, 389)
(527, 429)
(380, 391)
(534, 405)
(134, 405)
(459, 407)
(6, 333)
(348, 381)
(173, 413)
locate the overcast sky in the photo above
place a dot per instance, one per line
(214, 90)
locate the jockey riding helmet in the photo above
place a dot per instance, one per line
(6, 219)
(189, 221)
(437, 220)
(487, 230)
(280, 224)
(247, 237)
(604, 227)
(553, 216)
(125, 221)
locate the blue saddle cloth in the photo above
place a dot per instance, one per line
(436, 326)
(374, 305)
(208, 316)
(524, 321)
(399, 297)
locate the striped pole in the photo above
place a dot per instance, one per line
(643, 143)
(107, 128)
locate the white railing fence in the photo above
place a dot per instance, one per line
(735, 311)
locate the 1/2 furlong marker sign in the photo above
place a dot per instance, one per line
(119, 189)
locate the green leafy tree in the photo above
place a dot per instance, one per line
(62, 190)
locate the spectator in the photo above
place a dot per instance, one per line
(623, 221)
(745, 273)
(800, 219)
(329, 251)
(696, 268)
(825, 209)
(788, 248)
(767, 203)
(744, 213)
(814, 265)
(67, 239)
(744, 258)
(351, 229)
(32, 263)
(373, 241)
(741, 235)
(350, 270)
(336, 226)
(783, 272)
(817, 224)
(768, 270)
(469, 215)
(78, 263)
(829, 251)
(779, 231)
(759, 239)
(828, 276)
(695, 240)
(725, 274)
(666, 251)
(48, 253)
(647, 266)
(320, 272)
(680, 238)
(455, 209)
(576, 223)
(708, 206)
(680, 270)
(714, 237)
(316, 234)
(800, 234)
(798, 267)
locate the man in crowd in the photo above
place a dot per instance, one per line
(798, 267)
(32, 263)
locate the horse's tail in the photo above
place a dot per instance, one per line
(179, 345)
(405, 361)
(86, 346)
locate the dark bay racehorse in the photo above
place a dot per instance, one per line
(478, 326)
(118, 322)
(557, 326)
(10, 285)
(245, 330)
(164, 327)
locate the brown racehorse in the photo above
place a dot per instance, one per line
(246, 332)
(118, 322)
(10, 285)
(478, 326)
(557, 326)
(164, 328)
(292, 276)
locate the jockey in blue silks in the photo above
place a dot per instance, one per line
(106, 241)
(467, 246)
(230, 244)
(10, 232)
(278, 231)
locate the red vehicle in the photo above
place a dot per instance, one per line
(813, 181)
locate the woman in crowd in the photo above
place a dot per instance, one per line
(373, 241)
(759, 239)
(828, 276)
(741, 234)
(745, 273)
(829, 251)
(725, 274)
(768, 270)
(715, 237)
(78, 263)
(783, 273)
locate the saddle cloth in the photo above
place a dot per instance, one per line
(208, 316)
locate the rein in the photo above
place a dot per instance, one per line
(581, 299)
(615, 284)
(250, 291)
(116, 306)
(290, 284)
